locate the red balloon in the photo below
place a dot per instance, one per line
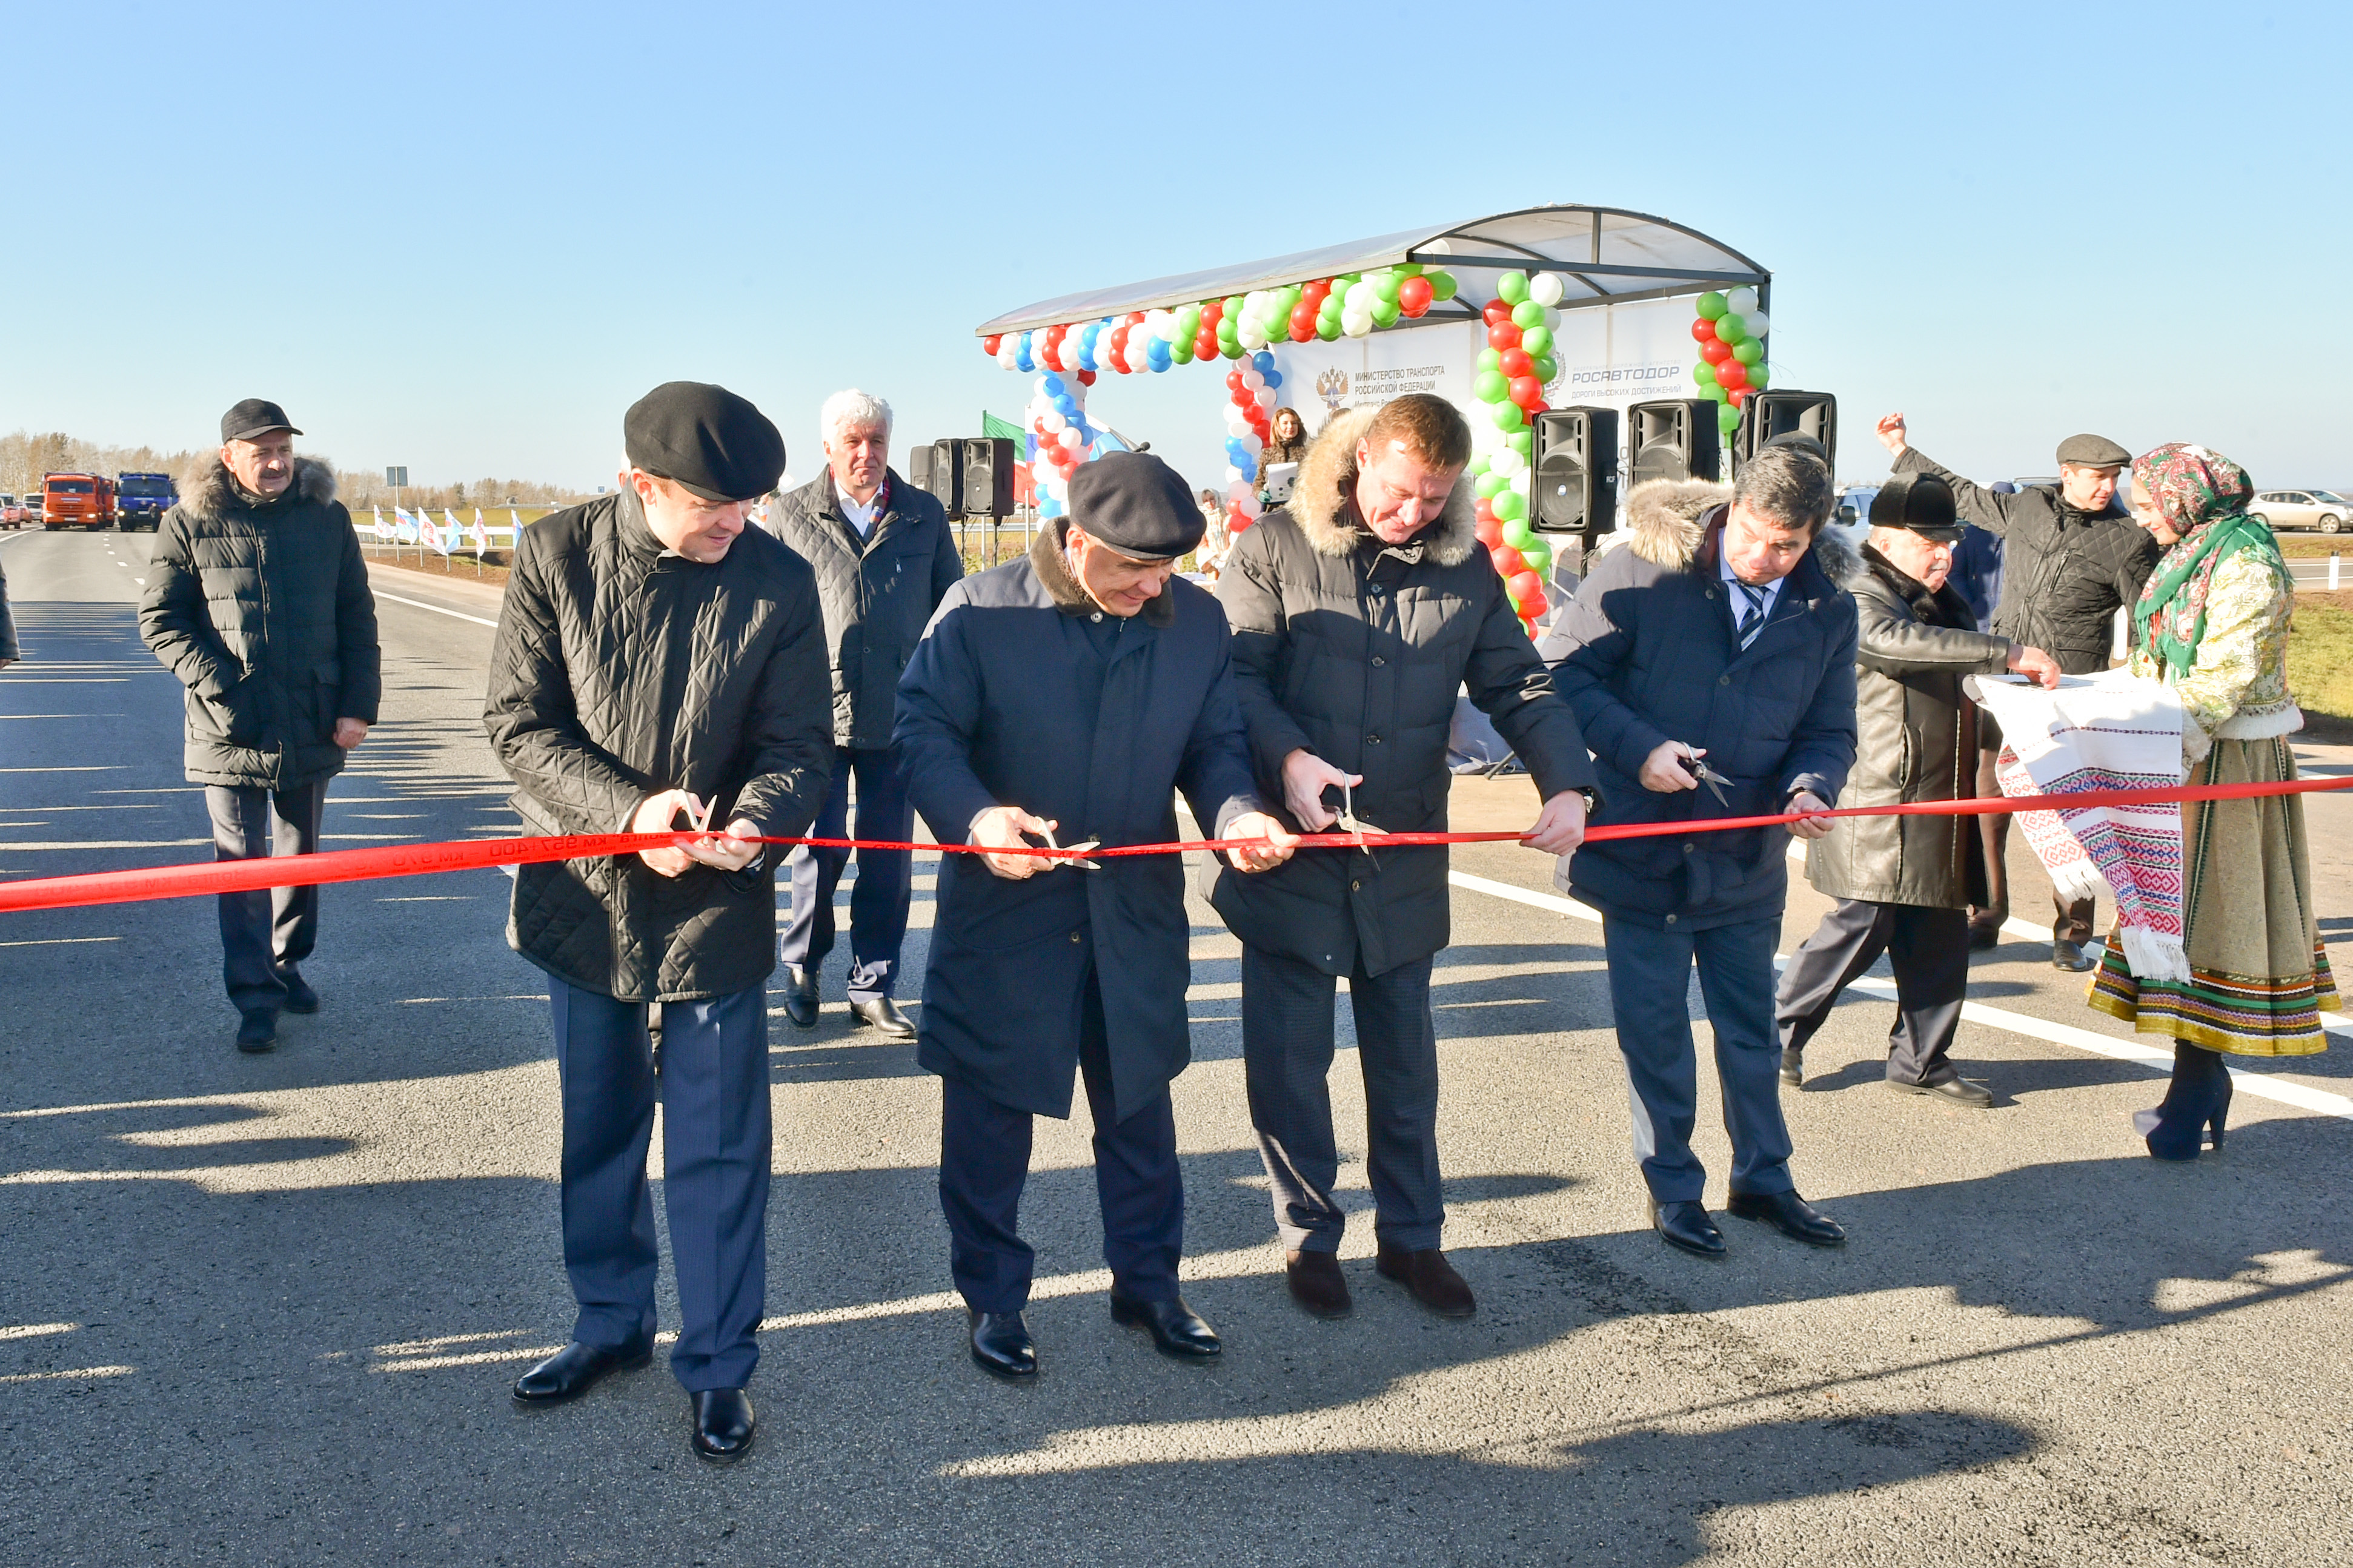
(1212, 313)
(1302, 314)
(1524, 586)
(1509, 563)
(1496, 310)
(1205, 346)
(1119, 361)
(1050, 357)
(1238, 520)
(1704, 330)
(1485, 512)
(1526, 391)
(1732, 375)
(1740, 395)
(1533, 409)
(988, 345)
(1503, 335)
(1233, 380)
(1534, 604)
(1715, 350)
(1135, 317)
(1516, 363)
(1086, 378)
(1490, 531)
(1414, 296)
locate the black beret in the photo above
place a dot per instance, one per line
(1922, 503)
(1137, 504)
(706, 438)
(255, 416)
(2092, 452)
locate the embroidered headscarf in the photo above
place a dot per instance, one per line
(2204, 496)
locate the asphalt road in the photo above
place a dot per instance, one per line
(264, 1309)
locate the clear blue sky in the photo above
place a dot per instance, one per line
(464, 237)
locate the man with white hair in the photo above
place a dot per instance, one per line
(884, 559)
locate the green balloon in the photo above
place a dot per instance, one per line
(1345, 282)
(1748, 350)
(1488, 360)
(1384, 312)
(1508, 417)
(1189, 321)
(1535, 551)
(1512, 287)
(1490, 386)
(1525, 315)
(1518, 533)
(1730, 330)
(1385, 286)
(1712, 305)
(1233, 308)
(1490, 484)
(1409, 269)
(1716, 390)
(1181, 350)
(1228, 333)
(1757, 377)
(1728, 419)
(1537, 339)
(1230, 348)
(1441, 285)
(1521, 441)
(1547, 368)
(1328, 327)
(1509, 506)
(1703, 374)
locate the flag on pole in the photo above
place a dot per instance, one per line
(381, 529)
(482, 536)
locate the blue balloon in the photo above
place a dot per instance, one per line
(1273, 378)
(1264, 360)
(1024, 364)
(1053, 385)
(1248, 466)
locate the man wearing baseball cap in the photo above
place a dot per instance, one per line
(658, 665)
(257, 600)
(1904, 884)
(1066, 698)
(2071, 557)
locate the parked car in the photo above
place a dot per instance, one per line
(2324, 509)
(12, 511)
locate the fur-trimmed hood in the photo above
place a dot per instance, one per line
(208, 490)
(1327, 477)
(1663, 527)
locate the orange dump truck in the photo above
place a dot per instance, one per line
(77, 501)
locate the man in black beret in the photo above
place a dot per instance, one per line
(657, 665)
(1904, 884)
(1068, 696)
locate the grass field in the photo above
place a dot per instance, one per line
(2320, 657)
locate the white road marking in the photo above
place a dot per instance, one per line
(63, 1376)
(34, 1330)
(436, 610)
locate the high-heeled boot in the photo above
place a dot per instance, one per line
(2198, 1097)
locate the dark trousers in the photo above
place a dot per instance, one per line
(2072, 920)
(1287, 1048)
(878, 901)
(1930, 951)
(984, 1161)
(714, 1091)
(1649, 981)
(265, 932)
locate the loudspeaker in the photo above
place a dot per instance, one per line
(987, 477)
(1773, 413)
(919, 465)
(1674, 440)
(947, 476)
(1575, 480)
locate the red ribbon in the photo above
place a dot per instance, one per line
(474, 855)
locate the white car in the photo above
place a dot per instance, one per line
(2324, 509)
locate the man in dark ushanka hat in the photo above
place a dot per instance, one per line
(661, 665)
(1904, 884)
(1066, 698)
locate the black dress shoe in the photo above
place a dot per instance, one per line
(1791, 1214)
(2070, 956)
(1686, 1227)
(883, 1016)
(258, 1033)
(574, 1370)
(1793, 1069)
(800, 996)
(1316, 1283)
(1177, 1329)
(299, 997)
(1002, 1348)
(724, 1425)
(1959, 1090)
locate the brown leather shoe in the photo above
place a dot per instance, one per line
(1431, 1277)
(1317, 1284)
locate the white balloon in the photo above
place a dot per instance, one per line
(1249, 506)
(1265, 397)
(1519, 482)
(1506, 460)
(1249, 336)
(1252, 444)
(1252, 378)
(1741, 300)
(1359, 296)
(1356, 323)
(1237, 427)
(1070, 437)
(1546, 289)
(1234, 478)
(1755, 323)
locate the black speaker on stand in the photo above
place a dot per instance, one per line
(919, 465)
(947, 476)
(1673, 440)
(987, 477)
(1574, 472)
(1773, 413)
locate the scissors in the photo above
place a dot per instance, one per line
(1351, 822)
(1714, 780)
(1081, 865)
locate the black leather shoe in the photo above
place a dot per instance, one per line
(299, 997)
(258, 1033)
(1791, 1214)
(724, 1425)
(1793, 1069)
(1177, 1329)
(800, 996)
(1316, 1284)
(1959, 1090)
(883, 1016)
(2070, 956)
(1686, 1227)
(1002, 1348)
(574, 1370)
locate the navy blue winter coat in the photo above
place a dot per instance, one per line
(1647, 653)
(1022, 693)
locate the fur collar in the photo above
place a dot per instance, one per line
(1046, 559)
(1665, 525)
(1327, 477)
(208, 491)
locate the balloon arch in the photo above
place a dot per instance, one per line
(1534, 265)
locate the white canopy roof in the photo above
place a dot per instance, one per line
(1605, 257)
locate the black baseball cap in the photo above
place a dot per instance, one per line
(255, 416)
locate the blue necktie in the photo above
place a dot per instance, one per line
(1753, 621)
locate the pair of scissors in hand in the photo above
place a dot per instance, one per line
(1350, 822)
(1710, 777)
(1081, 865)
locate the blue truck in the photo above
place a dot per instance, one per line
(142, 499)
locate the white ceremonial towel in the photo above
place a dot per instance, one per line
(2112, 730)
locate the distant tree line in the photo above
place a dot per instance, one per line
(25, 458)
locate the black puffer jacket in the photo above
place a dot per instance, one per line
(879, 593)
(2065, 572)
(1354, 651)
(621, 670)
(8, 622)
(262, 609)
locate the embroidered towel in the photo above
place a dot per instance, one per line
(2111, 731)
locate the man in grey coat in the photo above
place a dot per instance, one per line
(1359, 611)
(884, 557)
(258, 599)
(1904, 884)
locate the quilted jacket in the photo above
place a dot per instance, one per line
(262, 609)
(621, 670)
